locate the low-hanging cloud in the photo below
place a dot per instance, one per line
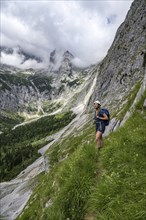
(17, 60)
(85, 28)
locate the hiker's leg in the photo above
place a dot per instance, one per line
(99, 140)
(98, 137)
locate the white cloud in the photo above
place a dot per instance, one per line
(17, 60)
(85, 28)
(17, 33)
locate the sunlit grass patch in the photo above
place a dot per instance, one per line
(121, 191)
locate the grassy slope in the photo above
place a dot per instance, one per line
(69, 181)
(121, 190)
(72, 189)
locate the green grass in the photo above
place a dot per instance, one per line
(109, 185)
(121, 189)
(74, 180)
(69, 181)
(130, 98)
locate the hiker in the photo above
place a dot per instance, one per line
(100, 118)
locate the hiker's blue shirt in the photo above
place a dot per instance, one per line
(100, 114)
(100, 126)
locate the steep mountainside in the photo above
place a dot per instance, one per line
(125, 62)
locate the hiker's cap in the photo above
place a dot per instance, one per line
(97, 102)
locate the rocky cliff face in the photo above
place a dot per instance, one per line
(20, 92)
(66, 65)
(125, 62)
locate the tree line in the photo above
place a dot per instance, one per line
(17, 148)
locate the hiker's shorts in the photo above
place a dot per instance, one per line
(100, 126)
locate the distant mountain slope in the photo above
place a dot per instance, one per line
(42, 91)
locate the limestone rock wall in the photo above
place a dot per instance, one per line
(125, 62)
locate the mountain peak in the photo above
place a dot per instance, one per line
(52, 56)
(68, 55)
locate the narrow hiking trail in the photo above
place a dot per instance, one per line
(36, 117)
(16, 193)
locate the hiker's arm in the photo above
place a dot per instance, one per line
(104, 117)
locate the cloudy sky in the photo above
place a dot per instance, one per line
(85, 28)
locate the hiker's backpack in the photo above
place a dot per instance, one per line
(106, 122)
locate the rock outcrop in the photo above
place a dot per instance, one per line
(66, 65)
(125, 62)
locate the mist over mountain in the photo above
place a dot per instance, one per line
(76, 26)
(18, 58)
